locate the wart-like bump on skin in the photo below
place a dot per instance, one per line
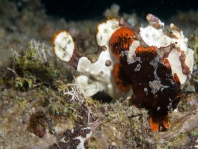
(108, 63)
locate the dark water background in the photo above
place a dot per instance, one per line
(93, 9)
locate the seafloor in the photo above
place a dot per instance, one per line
(35, 104)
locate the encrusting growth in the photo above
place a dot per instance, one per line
(74, 138)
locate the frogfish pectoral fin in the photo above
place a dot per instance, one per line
(165, 121)
(153, 125)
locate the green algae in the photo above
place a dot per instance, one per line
(31, 68)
